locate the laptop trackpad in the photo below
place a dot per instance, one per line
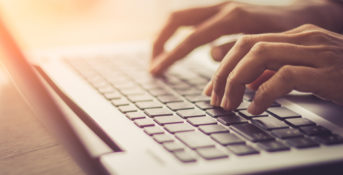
(330, 111)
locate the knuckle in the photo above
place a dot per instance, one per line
(308, 26)
(328, 55)
(286, 74)
(173, 15)
(236, 9)
(232, 80)
(315, 36)
(245, 41)
(260, 48)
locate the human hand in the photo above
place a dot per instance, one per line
(307, 58)
(233, 17)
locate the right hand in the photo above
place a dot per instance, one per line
(226, 18)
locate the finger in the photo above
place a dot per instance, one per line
(205, 33)
(208, 89)
(238, 51)
(218, 52)
(285, 80)
(186, 17)
(267, 74)
(266, 56)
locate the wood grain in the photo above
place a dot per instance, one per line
(25, 145)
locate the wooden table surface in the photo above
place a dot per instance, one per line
(25, 146)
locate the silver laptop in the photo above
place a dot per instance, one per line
(115, 118)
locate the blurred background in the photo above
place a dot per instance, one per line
(40, 24)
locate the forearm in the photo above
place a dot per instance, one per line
(325, 13)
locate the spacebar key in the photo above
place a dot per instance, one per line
(251, 132)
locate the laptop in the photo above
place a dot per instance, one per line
(115, 118)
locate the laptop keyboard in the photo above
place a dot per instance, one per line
(172, 111)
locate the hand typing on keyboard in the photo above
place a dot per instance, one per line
(305, 58)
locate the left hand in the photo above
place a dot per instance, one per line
(307, 58)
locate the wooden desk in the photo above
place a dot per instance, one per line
(25, 145)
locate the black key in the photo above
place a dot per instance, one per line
(191, 113)
(180, 105)
(314, 130)
(287, 133)
(173, 146)
(153, 130)
(184, 156)
(158, 112)
(301, 142)
(329, 139)
(251, 132)
(204, 105)
(140, 98)
(112, 95)
(269, 123)
(162, 138)
(144, 122)
(242, 150)
(211, 129)
(127, 108)
(168, 120)
(196, 121)
(246, 114)
(275, 104)
(195, 139)
(243, 105)
(120, 102)
(179, 127)
(233, 119)
(273, 146)
(135, 115)
(283, 113)
(211, 153)
(169, 99)
(227, 138)
(218, 112)
(197, 98)
(297, 122)
(148, 105)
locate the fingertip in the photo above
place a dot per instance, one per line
(255, 109)
(252, 109)
(208, 89)
(217, 54)
(225, 103)
(154, 68)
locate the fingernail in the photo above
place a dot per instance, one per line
(213, 98)
(252, 109)
(215, 101)
(205, 91)
(154, 68)
(225, 103)
(217, 53)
